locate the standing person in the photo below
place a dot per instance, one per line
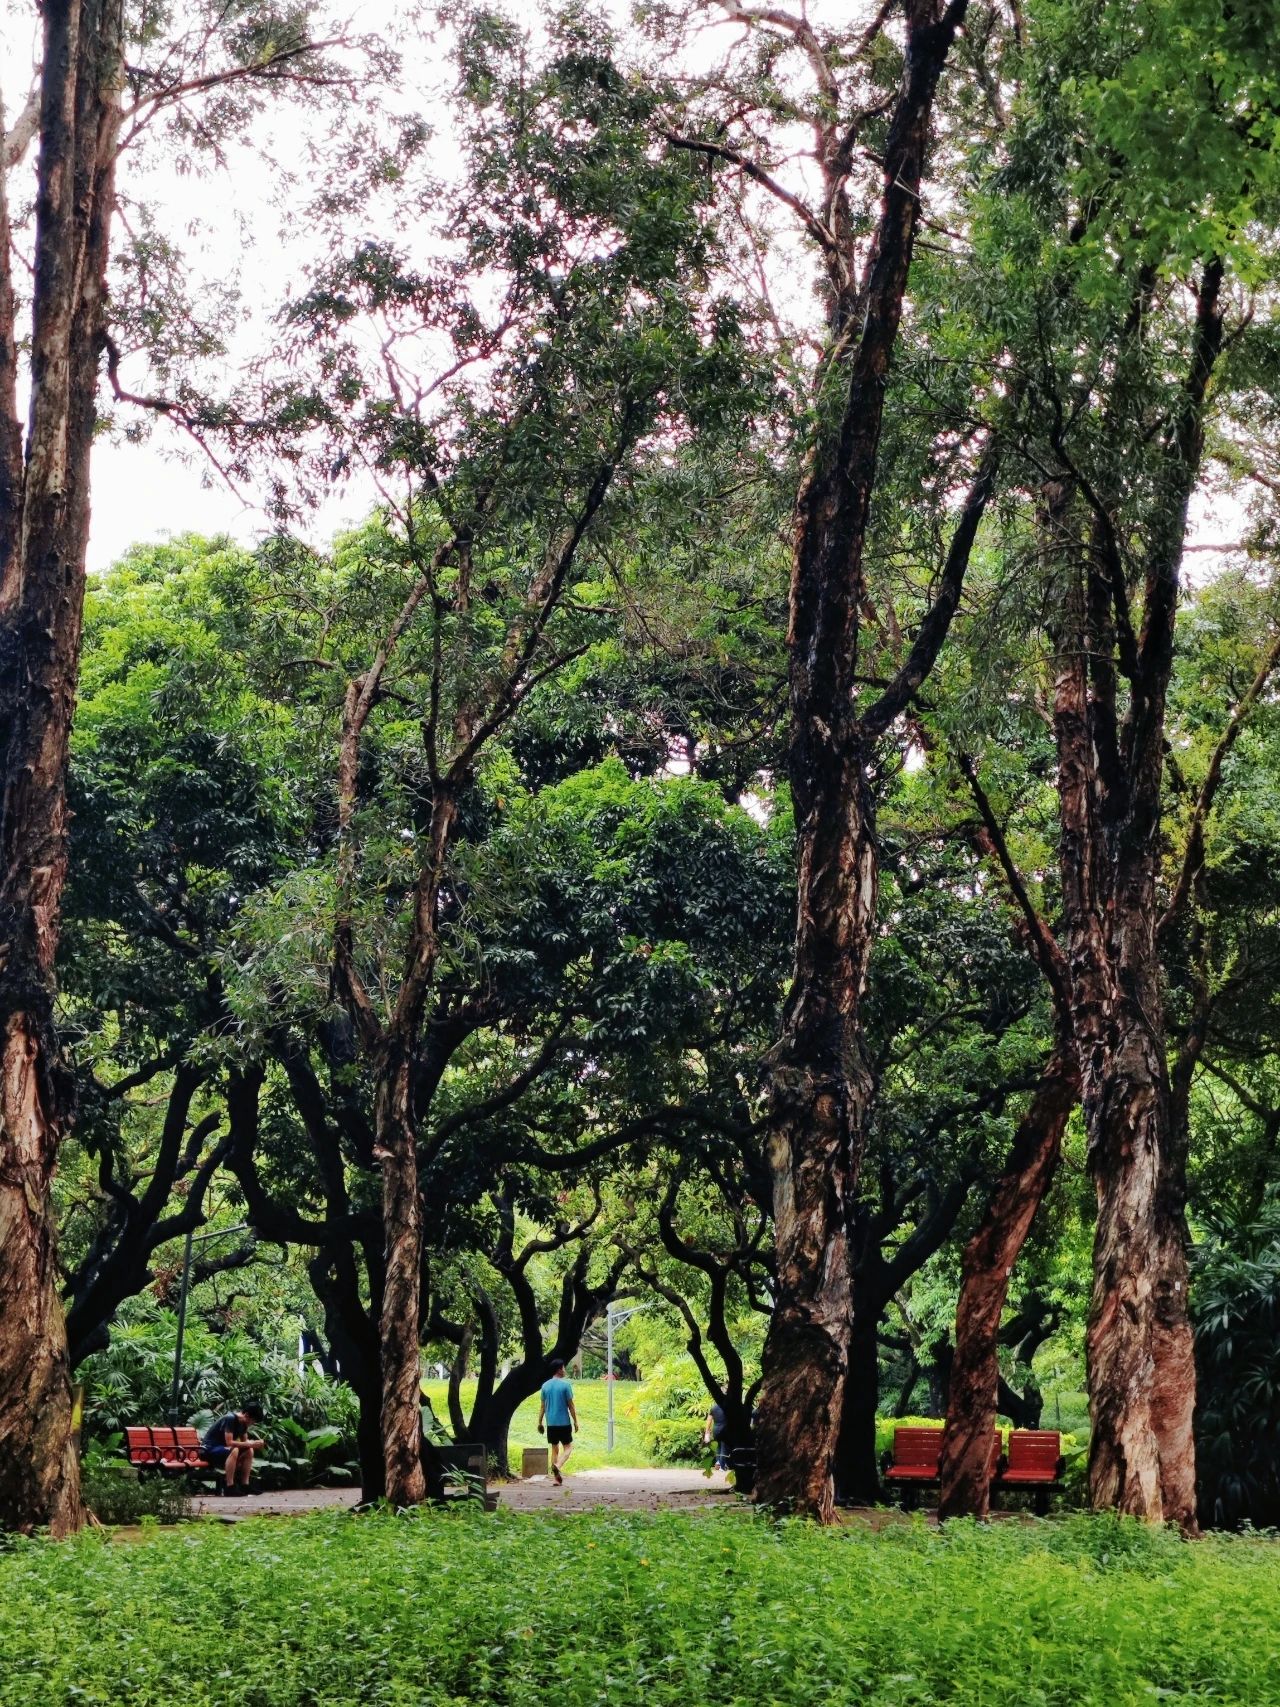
(558, 1412)
(716, 1423)
(228, 1446)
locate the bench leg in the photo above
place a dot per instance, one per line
(1042, 1502)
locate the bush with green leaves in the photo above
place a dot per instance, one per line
(116, 1493)
(674, 1440)
(1236, 1306)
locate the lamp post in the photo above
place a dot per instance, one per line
(192, 1238)
(612, 1315)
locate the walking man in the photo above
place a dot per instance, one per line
(560, 1416)
(229, 1447)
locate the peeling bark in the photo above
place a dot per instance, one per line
(1110, 772)
(989, 1260)
(44, 516)
(39, 1467)
(818, 1085)
(397, 1154)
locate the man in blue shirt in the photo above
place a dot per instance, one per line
(230, 1449)
(557, 1411)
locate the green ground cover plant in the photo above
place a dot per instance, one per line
(332, 1610)
(116, 1493)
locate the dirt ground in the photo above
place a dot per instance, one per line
(590, 1490)
(622, 1490)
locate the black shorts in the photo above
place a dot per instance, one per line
(559, 1434)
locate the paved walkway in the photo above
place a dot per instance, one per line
(620, 1490)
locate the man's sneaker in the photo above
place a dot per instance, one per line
(555, 1471)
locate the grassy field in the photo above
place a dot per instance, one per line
(592, 1400)
(670, 1610)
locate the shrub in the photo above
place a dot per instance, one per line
(116, 1493)
(674, 1440)
(673, 1388)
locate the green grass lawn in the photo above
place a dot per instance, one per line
(592, 1400)
(655, 1610)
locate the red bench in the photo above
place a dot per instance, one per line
(164, 1449)
(917, 1455)
(1035, 1463)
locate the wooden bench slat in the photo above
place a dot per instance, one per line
(139, 1446)
(1034, 1456)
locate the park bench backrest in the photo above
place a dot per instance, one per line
(1034, 1452)
(166, 1444)
(140, 1447)
(470, 1457)
(189, 1445)
(914, 1447)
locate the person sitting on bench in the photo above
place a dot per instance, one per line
(229, 1447)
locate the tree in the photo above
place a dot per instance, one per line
(603, 350)
(87, 102)
(1116, 530)
(587, 1281)
(705, 1252)
(181, 807)
(993, 1251)
(819, 1085)
(954, 1028)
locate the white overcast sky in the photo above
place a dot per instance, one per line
(146, 491)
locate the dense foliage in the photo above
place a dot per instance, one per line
(429, 924)
(665, 1609)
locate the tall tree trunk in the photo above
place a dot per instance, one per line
(989, 1260)
(353, 1340)
(820, 1088)
(857, 1474)
(401, 1297)
(1173, 1391)
(1141, 1368)
(457, 1375)
(491, 1420)
(39, 1470)
(1139, 1344)
(819, 1085)
(43, 539)
(1123, 1114)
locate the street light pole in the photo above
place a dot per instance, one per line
(612, 1315)
(175, 1414)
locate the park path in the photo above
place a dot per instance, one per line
(589, 1490)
